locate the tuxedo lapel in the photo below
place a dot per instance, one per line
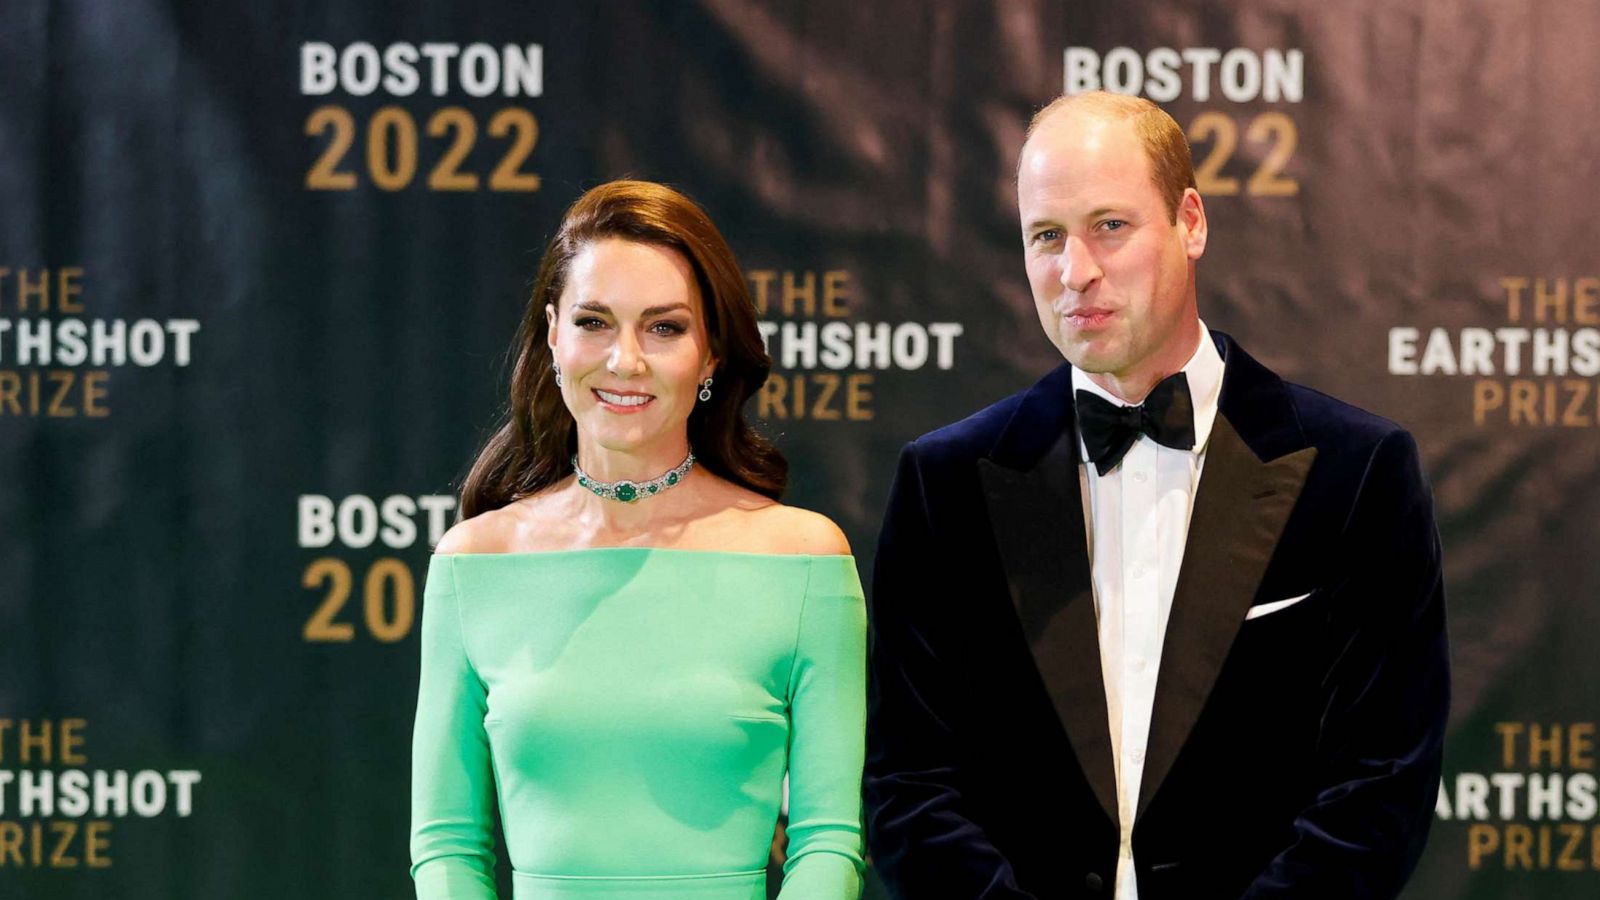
(1036, 509)
(1240, 509)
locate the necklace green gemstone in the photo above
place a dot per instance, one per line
(629, 491)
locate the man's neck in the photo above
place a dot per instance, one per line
(1133, 385)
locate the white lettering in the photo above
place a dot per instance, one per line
(1403, 351)
(401, 62)
(316, 68)
(316, 520)
(358, 69)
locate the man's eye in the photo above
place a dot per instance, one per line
(1047, 236)
(1112, 225)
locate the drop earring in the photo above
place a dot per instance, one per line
(556, 369)
(705, 390)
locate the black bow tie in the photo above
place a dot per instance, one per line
(1108, 430)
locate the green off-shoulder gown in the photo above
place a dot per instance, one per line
(631, 713)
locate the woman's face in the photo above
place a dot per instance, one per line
(629, 335)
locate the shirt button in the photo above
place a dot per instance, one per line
(1139, 570)
(1137, 755)
(1138, 664)
(1140, 477)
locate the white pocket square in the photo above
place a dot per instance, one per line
(1266, 608)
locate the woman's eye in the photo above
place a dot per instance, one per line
(667, 329)
(589, 323)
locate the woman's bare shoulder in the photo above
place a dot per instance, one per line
(505, 530)
(790, 529)
(483, 533)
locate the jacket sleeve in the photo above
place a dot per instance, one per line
(452, 785)
(924, 840)
(827, 707)
(1383, 703)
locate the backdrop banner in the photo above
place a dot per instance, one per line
(260, 266)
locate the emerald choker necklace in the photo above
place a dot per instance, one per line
(629, 491)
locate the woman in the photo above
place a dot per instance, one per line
(626, 644)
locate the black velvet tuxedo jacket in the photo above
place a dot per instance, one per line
(1295, 754)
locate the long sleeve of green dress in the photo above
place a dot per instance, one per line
(633, 712)
(452, 843)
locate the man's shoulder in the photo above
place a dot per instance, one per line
(1356, 447)
(1295, 415)
(971, 437)
(1331, 424)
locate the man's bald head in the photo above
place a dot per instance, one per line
(1164, 144)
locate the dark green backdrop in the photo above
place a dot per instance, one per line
(345, 270)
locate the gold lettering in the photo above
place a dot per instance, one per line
(835, 291)
(805, 291)
(858, 397)
(10, 844)
(1544, 744)
(1568, 861)
(53, 393)
(1519, 846)
(823, 396)
(1487, 394)
(63, 380)
(39, 289)
(1482, 840)
(65, 832)
(67, 287)
(10, 387)
(828, 385)
(1577, 392)
(1551, 301)
(1508, 732)
(763, 279)
(97, 841)
(72, 742)
(1514, 288)
(94, 390)
(1524, 396)
(1580, 745)
(769, 401)
(1586, 301)
(29, 740)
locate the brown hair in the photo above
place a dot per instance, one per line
(1171, 167)
(533, 448)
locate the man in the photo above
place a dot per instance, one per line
(1163, 625)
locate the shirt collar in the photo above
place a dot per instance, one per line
(1204, 371)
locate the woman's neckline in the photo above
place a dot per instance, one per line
(673, 550)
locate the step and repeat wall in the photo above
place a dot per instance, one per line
(260, 265)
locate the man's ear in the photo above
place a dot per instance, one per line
(1192, 219)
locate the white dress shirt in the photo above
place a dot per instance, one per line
(1138, 521)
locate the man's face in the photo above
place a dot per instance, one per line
(1111, 273)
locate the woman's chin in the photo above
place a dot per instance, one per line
(632, 441)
